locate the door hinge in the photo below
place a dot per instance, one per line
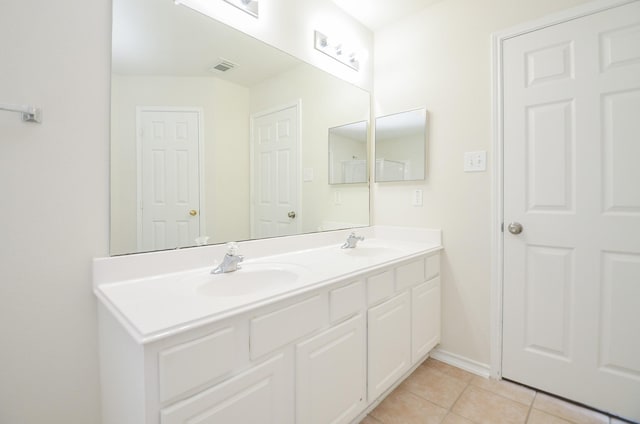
(502, 227)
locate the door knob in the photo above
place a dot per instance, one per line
(291, 214)
(193, 212)
(515, 228)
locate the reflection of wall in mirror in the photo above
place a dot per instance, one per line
(226, 107)
(391, 170)
(408, 150)
(348, 160)
(326, 103)
(354, 171)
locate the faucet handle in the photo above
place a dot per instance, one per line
(232, 248)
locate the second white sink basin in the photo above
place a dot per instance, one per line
(371, 251)
(251, 278)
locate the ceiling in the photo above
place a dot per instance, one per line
(375, 14)
(158, 37)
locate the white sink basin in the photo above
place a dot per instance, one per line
(371, 251)
(251, 278)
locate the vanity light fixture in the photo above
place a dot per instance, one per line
(249, 6)
(336, 50)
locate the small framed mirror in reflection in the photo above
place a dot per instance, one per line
(400, 146)
(348, 153)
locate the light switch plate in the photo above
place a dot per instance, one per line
(475, 161)
(417, 197)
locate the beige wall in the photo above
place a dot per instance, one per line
(54, 212)
(441, 59)
(226, 153)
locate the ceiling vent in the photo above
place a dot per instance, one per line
(223, 66)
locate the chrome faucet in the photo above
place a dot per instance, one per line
(230, 261)
(352, 241)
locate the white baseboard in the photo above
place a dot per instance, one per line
(478, 368)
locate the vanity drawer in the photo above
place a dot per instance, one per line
(379, 287)
(346, 301)
(258, 395)
(192, 364)
(281, 327)
(432, 267)
(410, 274)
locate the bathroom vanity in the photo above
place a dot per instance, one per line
(304, 332)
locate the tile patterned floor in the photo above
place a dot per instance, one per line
(437, 393)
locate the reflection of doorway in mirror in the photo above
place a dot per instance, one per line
(392, 170)
(354, 171)
(275, 179)
(169, 189)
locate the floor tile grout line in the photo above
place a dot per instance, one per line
(531, 407)
(459, 396)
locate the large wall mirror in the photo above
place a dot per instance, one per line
(401, 141)
(202, 119)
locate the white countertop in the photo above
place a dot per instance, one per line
(153, 306)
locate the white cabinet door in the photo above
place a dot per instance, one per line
(259, 395)
(330, 375)
(389, 334)
(425, 318)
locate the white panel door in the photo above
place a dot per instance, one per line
(275, 173)
(571, 178)
(330, 375)
(169, 189)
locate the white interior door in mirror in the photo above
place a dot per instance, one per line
(348, 153)
(168, 178)
(275, 173)
(401, 146)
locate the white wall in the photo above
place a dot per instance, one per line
(226, 152)
(440, 59)
(54, 212)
